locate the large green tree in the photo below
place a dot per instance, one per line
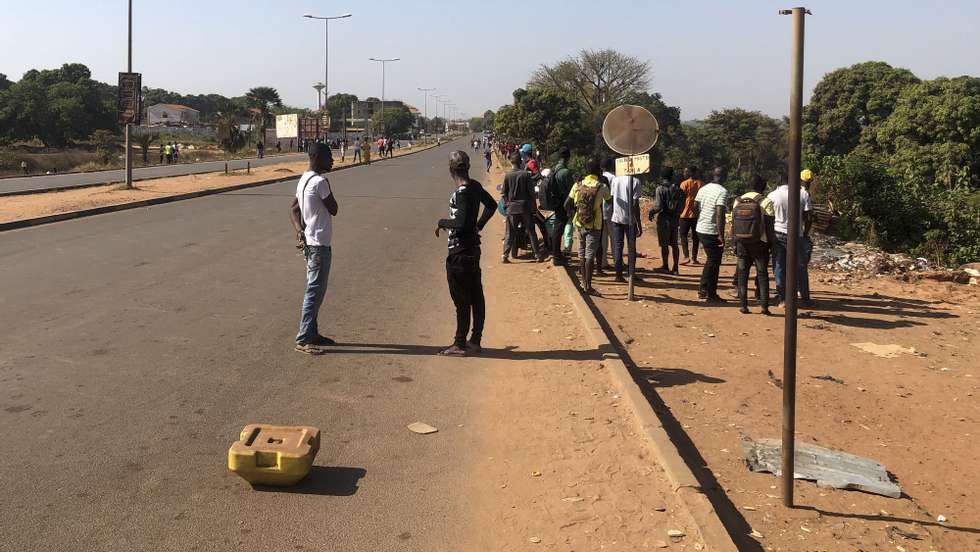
(544, 118)
(395, 122)
(848, 104)
(339, 107)
(595, 78)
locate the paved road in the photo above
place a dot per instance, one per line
(135, 345)
(68, 180)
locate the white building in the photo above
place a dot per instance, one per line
(172, 115)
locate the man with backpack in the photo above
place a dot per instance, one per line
(518, 195)
(668, 201)
(585, 203)
(752, 228)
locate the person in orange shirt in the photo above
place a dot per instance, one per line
(689, 219)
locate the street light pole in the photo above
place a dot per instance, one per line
(425, 109)
(384, 62)
(792, 253)
(129, 126)
(326, 50)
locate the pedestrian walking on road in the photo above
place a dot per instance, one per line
(343, 150)
(176, 150)
(667, 205)
(463, 262)
(357, 151)
(752, 228)
(260, 149)
(169, 152)
(312, 215)
(585, 201)
(710, 205)
(518, 195)
(23, 167)
(688, 221)
(488, 156)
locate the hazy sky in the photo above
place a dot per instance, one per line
(705, 54)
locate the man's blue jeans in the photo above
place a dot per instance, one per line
(317, 274)
(621, 233)
(779, 266)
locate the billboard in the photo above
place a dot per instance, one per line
(129, 101)
(287, 126)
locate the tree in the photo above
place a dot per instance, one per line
(263, 99)
(932, 136)
(106, 143)
(338, 106)
(230, 136)
(849, 103)
(596, 78)
(395, 122)
(146, 139)
(545, 119)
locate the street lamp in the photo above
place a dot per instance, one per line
(426, 101)
(326, 49)
(383, 62)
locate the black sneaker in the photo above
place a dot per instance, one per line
(323, 341)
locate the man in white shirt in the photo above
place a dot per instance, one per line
(780, 203)
(625, 221)
(312, 215)
(605, 244)
(710, 204)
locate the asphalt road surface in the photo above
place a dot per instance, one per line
(135, 345)
(69, 180)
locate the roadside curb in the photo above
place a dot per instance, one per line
(37, 221)
(682, 480)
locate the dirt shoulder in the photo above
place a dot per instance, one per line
(560, 464)
(707, 372)
(20, 207)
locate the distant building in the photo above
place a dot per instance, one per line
(364, 110)
(172, 115)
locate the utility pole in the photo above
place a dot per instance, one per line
(425, 109)
(384, 62)
(792, 252)
(326, 50)
(129, 126)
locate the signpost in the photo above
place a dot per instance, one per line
(130, 99)
(633, 165)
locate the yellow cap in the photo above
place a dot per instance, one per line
(806, 175)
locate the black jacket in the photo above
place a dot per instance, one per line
(463, 223)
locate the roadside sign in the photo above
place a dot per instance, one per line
(633, 165)
(130, 98)
(287, 126)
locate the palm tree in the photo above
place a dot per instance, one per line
(263, 98)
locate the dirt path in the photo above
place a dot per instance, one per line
(709, 368)
(561, 465)
(39, 205)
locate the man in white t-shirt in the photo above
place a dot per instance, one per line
(312, 215)
(626, 223)
(780, 203)
(710, 204)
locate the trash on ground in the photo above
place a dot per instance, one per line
(773, 380)
(535, 540)
(274, 455)
(885, 351)
(892, 531)
(421, 428)
(675, 533)
(828, 377)
(829, 468)
(941, 518)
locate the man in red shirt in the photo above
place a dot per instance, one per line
(689, 219)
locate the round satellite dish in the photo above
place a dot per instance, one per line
(630, 130)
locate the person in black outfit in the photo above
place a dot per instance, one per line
(518, 192)
(463, 263)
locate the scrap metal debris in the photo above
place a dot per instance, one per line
(774, 381)
(828, 377)
(893, 531)
(829, 468)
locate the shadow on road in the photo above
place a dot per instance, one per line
(506, 353)
(323, 481)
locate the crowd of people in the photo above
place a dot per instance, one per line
(600, 209)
